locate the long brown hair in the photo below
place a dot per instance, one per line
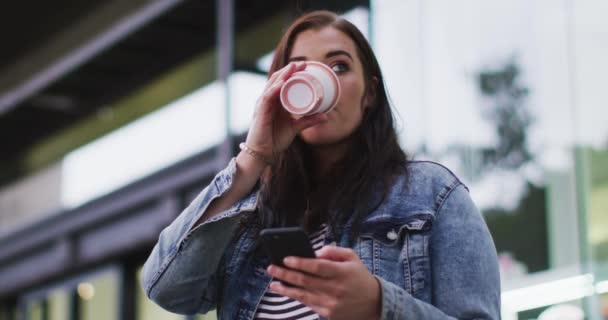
(369, 166)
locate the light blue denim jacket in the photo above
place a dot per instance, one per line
(426, 243)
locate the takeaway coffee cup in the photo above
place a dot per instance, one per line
(315, 89)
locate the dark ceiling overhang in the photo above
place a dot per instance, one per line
(130, 52)
(65, 61)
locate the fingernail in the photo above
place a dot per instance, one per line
(270, 269)
(274, 285)
(289, 260)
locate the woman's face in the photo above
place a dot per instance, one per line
(338, 51)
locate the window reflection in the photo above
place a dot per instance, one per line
(35, 310)
(194, 120)
(491, 90)
(98, 297)
(245, 88)
(59, 304)
(7, 312)
(4, 313)
(595, 163)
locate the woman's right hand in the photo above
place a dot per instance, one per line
(273, 128)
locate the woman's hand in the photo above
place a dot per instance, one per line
(273, 129)
(336, 285)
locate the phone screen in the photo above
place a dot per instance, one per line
(283, 242)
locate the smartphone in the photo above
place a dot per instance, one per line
(282, 242)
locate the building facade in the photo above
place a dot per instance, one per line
(127, 111)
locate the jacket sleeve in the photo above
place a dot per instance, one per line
(464, 268)
(180, 274)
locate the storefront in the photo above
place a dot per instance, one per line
(507, 94)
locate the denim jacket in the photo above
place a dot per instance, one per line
(426, 243)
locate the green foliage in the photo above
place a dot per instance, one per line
(523, 231)
(508, 112)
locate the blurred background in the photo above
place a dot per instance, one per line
(115, 114)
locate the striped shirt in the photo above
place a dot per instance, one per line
(275, 306)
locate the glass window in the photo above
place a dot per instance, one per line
(183, 128)
(5, 313)
(99, 297)
(176, 115)
(510, 97)
(95, 296)
(604, 305)
(594, 168)
(466, 91)
(245, 89)
(35, 310)
(59, 304)
(587, 25)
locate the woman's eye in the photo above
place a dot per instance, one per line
(339, 67)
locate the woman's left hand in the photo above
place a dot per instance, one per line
(336, 285)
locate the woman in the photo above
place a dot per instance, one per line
(402, 239)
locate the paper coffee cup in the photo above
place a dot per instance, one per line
(313, 90)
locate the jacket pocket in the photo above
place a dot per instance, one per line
(396, 249)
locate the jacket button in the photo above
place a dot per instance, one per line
(392, 235)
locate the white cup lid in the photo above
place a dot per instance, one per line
(315, 89)
(300, 95)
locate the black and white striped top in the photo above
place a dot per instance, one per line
(274, 306)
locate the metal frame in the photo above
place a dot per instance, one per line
(70, 285)
(225, 52)
(74, 59)
(86, 236)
